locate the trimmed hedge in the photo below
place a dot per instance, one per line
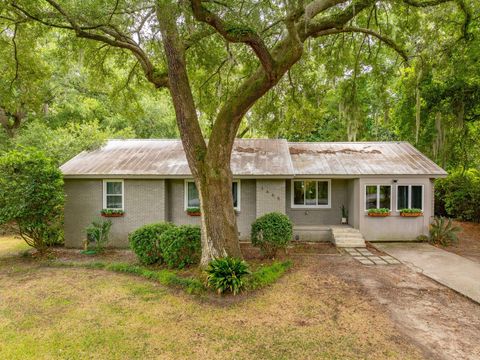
(181, 246)
(271, 232)
(145, 242)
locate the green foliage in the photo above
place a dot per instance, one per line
(411, 211)
(64, 143)
(98, 233)
(267, 274)
(271, 232)
(31, 197)
(112, 212)
(458, 195)
(180, 246)
(443, 232)
(145, 242)
(344, 211)
(379, 211)
(422, 238)
(227, 275)
(193, 210)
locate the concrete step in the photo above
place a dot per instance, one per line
(347, 237)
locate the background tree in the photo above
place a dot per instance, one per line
(218, 59)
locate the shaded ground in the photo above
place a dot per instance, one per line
(327, 306)
(469, 241)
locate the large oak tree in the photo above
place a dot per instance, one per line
(171, 40)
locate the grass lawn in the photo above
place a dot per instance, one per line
(76, 313)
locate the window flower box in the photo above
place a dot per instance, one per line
(112, 213)
(193, 211)
(411, 212)
(381, 212)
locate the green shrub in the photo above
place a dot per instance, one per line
(422, 238)
(181, 246)
(443, 232)
(271, 232)
(458, 195)
(31, 197)
(97, 234)
(226, 274)
(145, 242)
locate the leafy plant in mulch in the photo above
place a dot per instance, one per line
(181, 246)
(227, 275)
(97, 235)
(443, 231)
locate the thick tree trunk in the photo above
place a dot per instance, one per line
(219, 225)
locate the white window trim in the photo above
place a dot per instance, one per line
(296, 206)
(378, 195)
(105, 193)
(239, 190)
(410, 196)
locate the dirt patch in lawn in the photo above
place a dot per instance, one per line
(468, 241)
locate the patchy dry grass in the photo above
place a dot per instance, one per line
(78, 313)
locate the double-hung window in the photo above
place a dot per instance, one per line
(409, 197)
(378, 196)
(192, 199)
(113, 194)
(310, 193)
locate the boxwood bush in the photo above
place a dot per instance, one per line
(181, 246)
(271, 232)
(145, 242)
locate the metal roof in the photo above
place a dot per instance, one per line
(166, 158)
(255, 158)
(361, 158)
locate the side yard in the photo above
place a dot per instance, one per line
(327, 306)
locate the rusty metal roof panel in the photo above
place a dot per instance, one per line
(256, 158)
(360, 158)
(166, 158)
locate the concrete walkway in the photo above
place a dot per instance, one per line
(449, 269)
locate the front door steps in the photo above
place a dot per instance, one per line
(347, 237)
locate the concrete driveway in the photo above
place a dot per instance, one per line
(454, 271)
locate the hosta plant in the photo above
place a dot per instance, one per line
(443, 231)
(227, 275)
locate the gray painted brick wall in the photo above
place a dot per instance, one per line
(270, 196)
(144, 204)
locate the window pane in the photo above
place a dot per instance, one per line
(402, 200)
(114, 201)
(371, 197)
(298, 193)
(385, 196)
(417, 197)
(193, 198)
(114, 188)
(235, 194)
(310, 193)
(322, 193)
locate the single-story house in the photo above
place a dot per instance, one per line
(310, 182)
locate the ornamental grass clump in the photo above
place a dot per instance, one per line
(227, 275)
(271, 232)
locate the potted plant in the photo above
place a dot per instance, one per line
(112, 212)
(193, 211)
(380, 212)
(344, 215)
(411, 212)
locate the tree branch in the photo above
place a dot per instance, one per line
(235, 34)
(384, 39)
